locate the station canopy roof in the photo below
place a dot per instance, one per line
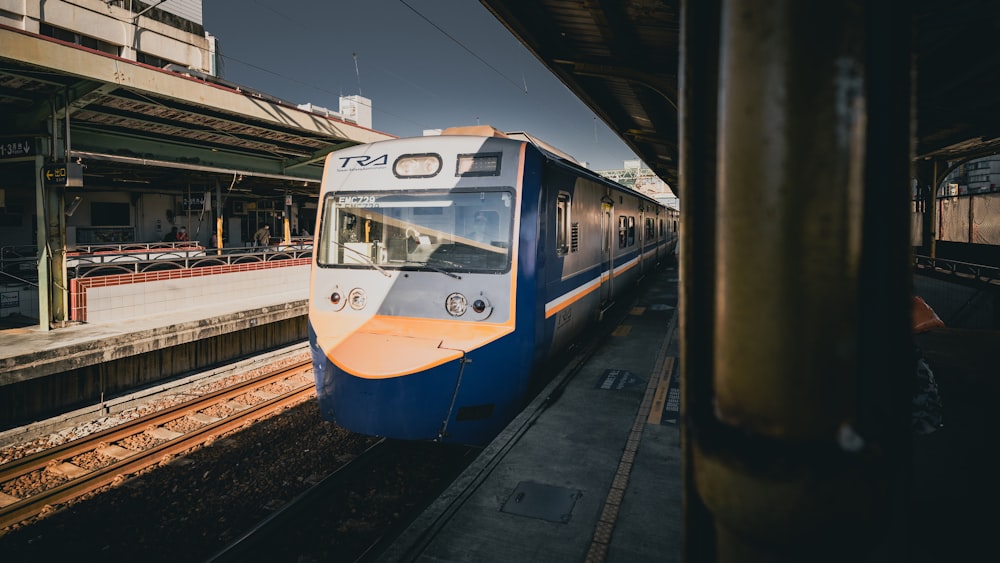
(133, 124)
(621, 59)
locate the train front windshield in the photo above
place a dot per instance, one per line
(466, 231)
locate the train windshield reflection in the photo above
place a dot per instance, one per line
(450, 231)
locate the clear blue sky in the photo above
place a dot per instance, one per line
(417, 76)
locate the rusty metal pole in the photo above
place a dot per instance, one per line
(798, 463)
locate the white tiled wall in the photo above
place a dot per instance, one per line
(222, 293)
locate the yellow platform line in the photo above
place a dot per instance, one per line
(660, 397)
(621, 330)
(601, 541)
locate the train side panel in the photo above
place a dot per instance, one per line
(604, 248)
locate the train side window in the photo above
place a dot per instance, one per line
(622, 231)
(562, 223)
(631, 230)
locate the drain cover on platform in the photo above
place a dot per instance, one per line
(545, 502)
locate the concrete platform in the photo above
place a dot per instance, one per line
(29, 353)
(66, 373)
(590, 471)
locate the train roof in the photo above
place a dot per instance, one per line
(552, 153)
(490, 131)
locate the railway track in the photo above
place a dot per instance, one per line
(35, 484)
(323, 523)
(262, 535)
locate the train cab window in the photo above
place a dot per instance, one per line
(562, 223)
(433, 230)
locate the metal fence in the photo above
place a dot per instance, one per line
(19, 264)
(160, 257)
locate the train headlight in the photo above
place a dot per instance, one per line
(357, 298)
(417, 166)
(337, 300)
(456, 304)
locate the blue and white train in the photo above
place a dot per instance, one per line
(448, 268)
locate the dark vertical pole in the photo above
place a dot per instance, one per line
(797, 453)
(887, 367)
(934, 210)
(699, 67)
(924, 173)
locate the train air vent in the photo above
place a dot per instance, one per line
(574, 241)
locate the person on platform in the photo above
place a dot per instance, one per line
(182, 235)
(263, 236)
(171, 236)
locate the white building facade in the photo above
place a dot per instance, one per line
(154, 33)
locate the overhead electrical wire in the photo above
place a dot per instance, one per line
(460, 44)
(523, 87)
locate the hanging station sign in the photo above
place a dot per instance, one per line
(67, 175)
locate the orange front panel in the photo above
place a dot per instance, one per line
(377, 356)
(395, 346)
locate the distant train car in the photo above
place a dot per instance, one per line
(448, 268)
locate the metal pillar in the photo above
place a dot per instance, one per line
(41, 235)
(926, 175)
(56, 231)
(797, 441)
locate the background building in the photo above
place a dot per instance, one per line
(636, 176)
(116, 127)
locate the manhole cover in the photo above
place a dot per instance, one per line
(545, 502)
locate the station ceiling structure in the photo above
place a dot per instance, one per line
(132, 124)
(622, 60)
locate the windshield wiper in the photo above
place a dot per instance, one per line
(437, 269)
(365, 256)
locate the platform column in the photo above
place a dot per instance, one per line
(41, 235)
(799, 451)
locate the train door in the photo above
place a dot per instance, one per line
(607, 256)
(658, 236)
(640, 228)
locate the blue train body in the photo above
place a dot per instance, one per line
(448, 268)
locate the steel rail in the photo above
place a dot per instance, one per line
(14, 469)
(35, 504)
